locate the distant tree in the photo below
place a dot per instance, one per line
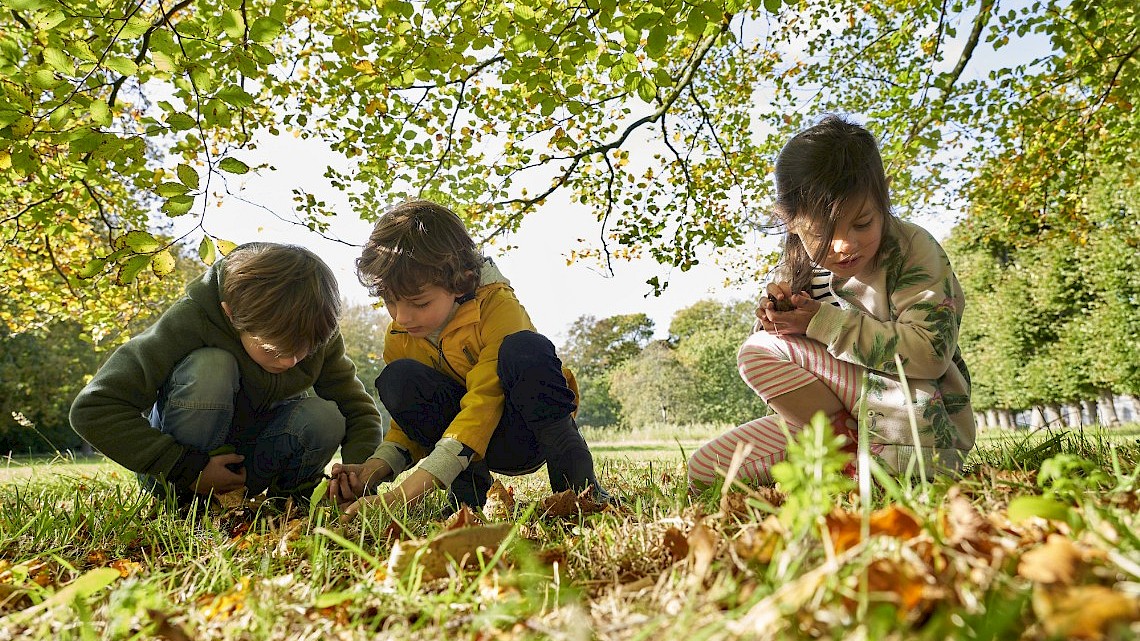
(654, 387)
(735, 317)
(718, 395)
(364, 328)
(595, 349)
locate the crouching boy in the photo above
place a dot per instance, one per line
(213, 396)
(470, 385)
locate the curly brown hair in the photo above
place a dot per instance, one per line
(283, 294)
(417, 244)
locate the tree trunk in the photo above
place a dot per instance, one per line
(1107, 406)
(1088, 412)
(1052, 413)
(991, 418)
(1134, 409)
(1037, 417)
(1005, 419)
(1072, 415)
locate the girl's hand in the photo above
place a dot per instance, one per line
(788, 323)
(777, 296)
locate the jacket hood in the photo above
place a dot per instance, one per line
(489, 273)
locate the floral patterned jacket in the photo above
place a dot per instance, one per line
(911, 307)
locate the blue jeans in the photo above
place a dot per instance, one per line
(286, 447)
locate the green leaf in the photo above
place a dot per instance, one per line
(656, 41)
(178, 205)
(121, 64)
(233, 24)
(265, 30)
(43, 79)
(330, 599)
(27, 5)
(168, 189)
(188, 175)
(87, 584)
(646, 90)
(206, 250)
(100, 113)
(317, 497)
(163, 263)
(58, 60)
(141, 242)
(772, 6)
(179, 121)
(163, 61)
(59, 118)
(131, 268)
(1023, 507)
(93, 268)
(236, 96)
(233, 166)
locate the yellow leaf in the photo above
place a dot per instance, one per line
(163, 263)
(5, 160)
(365, 67)
(435, 556)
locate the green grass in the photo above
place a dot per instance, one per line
(619, 574)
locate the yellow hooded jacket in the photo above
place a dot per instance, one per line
(468, 352)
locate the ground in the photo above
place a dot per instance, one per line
(1037, 541)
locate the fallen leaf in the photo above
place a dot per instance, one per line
(462, 518)
(437, 554)
(903, 584)
(500, 502)
(567, 503)
(224, 605)
(1057, 561)
(845, 528)
(756, 544)
(702, 549)
(675, 544)
(126, 567)
(1082, 611)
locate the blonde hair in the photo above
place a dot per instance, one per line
(417, 244)
(283, 294)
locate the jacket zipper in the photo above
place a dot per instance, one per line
(443, 359)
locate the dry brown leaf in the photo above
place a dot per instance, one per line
(702, 550)
(845, 528)
(126, 567)
(436, 555)
(1058, 561)
(231, 500)
(500, 502)
(462, 518)
(905, 585)
(757, 544)
(1082, 611)
(675, 544)
(567, 503)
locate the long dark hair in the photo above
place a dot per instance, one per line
(820, 173)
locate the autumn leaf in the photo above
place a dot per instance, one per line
(675, 544)
(1082, 611)
(845, 528)
(1057, 561)
(500, 503)
(703, 543)
(569, 503)
(462, 518)
(225, 605)
(437, 555)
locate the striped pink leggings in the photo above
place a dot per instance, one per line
(773, 365)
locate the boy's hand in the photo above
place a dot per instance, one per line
(407, 493)
(220, 479)
(349, 482)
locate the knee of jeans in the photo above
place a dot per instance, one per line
(212, 371)
(524, 350)
(319, 425)
(394, 380)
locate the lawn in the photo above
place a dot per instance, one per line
(1037, 541)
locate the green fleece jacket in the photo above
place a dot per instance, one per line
(109, 411)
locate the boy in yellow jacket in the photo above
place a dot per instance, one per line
(470, 385)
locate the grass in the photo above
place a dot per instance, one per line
(84, 556)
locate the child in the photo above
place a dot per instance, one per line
(860, 286)
(212, 397)
(469, 384)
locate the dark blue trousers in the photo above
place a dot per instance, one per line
(536, 426)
